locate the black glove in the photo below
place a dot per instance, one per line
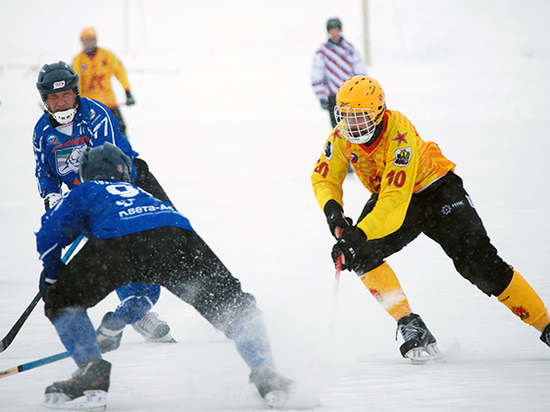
(349, 245)
(130, 101)
(45, 283)
(335, 217)
(324, 104)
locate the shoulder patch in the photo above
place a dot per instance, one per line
(402, 157)
(400, 138)
(328, 150)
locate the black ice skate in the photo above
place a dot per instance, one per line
(420, 345)
(272, 387)
(545, 335)
(85, 391)
(153, 329)
(108, 337)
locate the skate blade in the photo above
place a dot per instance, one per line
(165, 339)
(419, 356)
(91, 401)
(276, 399)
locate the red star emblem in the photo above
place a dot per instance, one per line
(400, 138)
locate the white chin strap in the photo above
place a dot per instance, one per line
(66, 116)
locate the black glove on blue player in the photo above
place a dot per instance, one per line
(45, 283)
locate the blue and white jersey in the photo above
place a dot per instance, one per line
(104, 209)
(57, 155)
(333, 64)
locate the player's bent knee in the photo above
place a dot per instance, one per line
(480, 264)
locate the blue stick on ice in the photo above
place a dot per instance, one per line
(33, 364)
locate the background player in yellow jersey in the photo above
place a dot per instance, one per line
(95, 67)
(414, 190)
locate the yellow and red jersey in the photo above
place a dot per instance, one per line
(95, 74)
(396, 165)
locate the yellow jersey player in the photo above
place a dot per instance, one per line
(95, 67)
(414, 190)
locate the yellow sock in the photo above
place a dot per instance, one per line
(382, 283)
(524, 302)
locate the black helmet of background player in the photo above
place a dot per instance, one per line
(334, 23)
(334, 29)
(105, 162)
(55, 78)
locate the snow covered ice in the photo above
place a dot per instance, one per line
(229, 124)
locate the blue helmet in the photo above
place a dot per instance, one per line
(105, 162)
(56, 77)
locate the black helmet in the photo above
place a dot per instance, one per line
(56, 77)
(334, 23)
(105, 162)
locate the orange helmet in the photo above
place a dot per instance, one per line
(88, 33)
(360, 105)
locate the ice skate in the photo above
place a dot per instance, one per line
(153, 329)
(108, 337)
(85, 391)
(272, 387)
(420, 345)
(545, 335)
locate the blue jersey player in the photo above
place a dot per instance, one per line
(135, 237)
(69, 125)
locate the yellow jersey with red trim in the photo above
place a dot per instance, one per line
(95, 74)
(396, 165)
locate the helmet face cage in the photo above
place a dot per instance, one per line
(356, 125)
(360, 107)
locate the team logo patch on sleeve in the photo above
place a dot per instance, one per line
(402, 157)
(328, 150)
(321, 168)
